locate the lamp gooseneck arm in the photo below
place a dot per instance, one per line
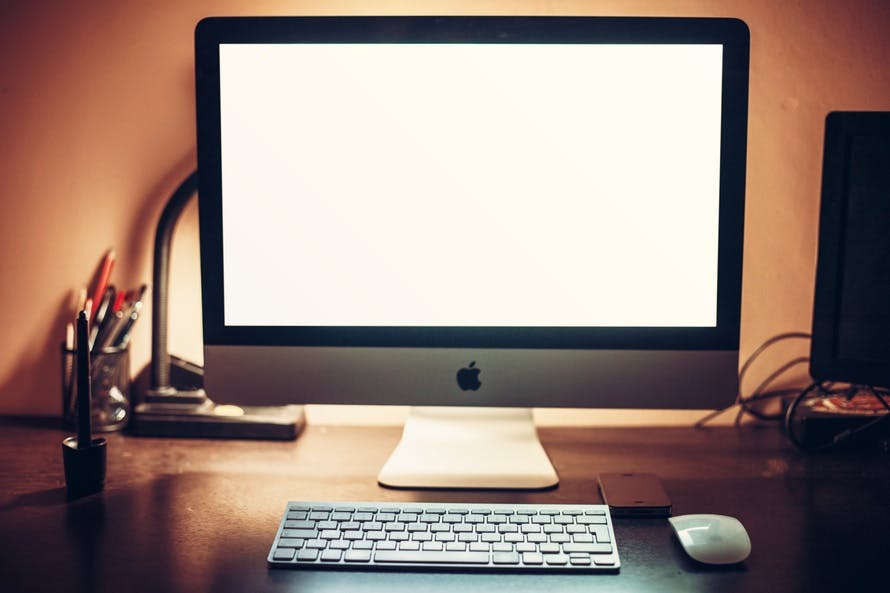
(160, 359)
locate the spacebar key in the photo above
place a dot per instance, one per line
(427, 557)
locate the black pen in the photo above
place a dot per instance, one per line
(102, 311)
(84, 430)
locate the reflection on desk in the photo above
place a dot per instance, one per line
(200, 515)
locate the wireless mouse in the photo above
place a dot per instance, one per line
(712, 539)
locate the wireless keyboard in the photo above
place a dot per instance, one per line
(513, 537)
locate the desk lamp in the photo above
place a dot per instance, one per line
(175, 403)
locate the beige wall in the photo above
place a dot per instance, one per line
(97, 128)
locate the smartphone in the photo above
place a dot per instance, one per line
(634, 495)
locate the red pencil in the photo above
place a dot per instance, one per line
(102, 281)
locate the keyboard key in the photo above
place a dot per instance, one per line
(480, 547)
(409, 546)
(505, 558)
(576, 529)
(287, 542)
(386, 545)
(362, 545)
(533, 558)
(604, 560)
(307, 555)
(556, 559)
(357, 555)
(284, 554)
(550, 548)
(331, 556)
(452, 518)
(319, 515)
(299, 533)
(375, 535)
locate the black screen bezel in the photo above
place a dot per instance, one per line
(826, 364)
(732, 34)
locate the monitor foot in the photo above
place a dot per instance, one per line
(460, 447)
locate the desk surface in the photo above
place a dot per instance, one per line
(200, 515)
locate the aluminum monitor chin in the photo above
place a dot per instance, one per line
(472, 211)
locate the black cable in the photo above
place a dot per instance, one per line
(744, 402)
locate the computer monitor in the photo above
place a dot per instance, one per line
(472, 212)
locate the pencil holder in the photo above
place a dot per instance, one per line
(110, 376)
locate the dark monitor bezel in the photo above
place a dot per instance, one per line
(825, 362)
(732, 34)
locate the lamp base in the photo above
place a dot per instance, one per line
(191, 413)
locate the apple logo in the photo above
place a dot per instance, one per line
(468, 377)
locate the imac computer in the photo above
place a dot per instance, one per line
(472, 214)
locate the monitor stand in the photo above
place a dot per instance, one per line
(463, 447)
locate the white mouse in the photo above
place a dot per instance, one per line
(712, 539)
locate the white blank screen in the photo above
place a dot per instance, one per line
(470, 185)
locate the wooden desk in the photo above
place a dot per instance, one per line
(199, 515)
